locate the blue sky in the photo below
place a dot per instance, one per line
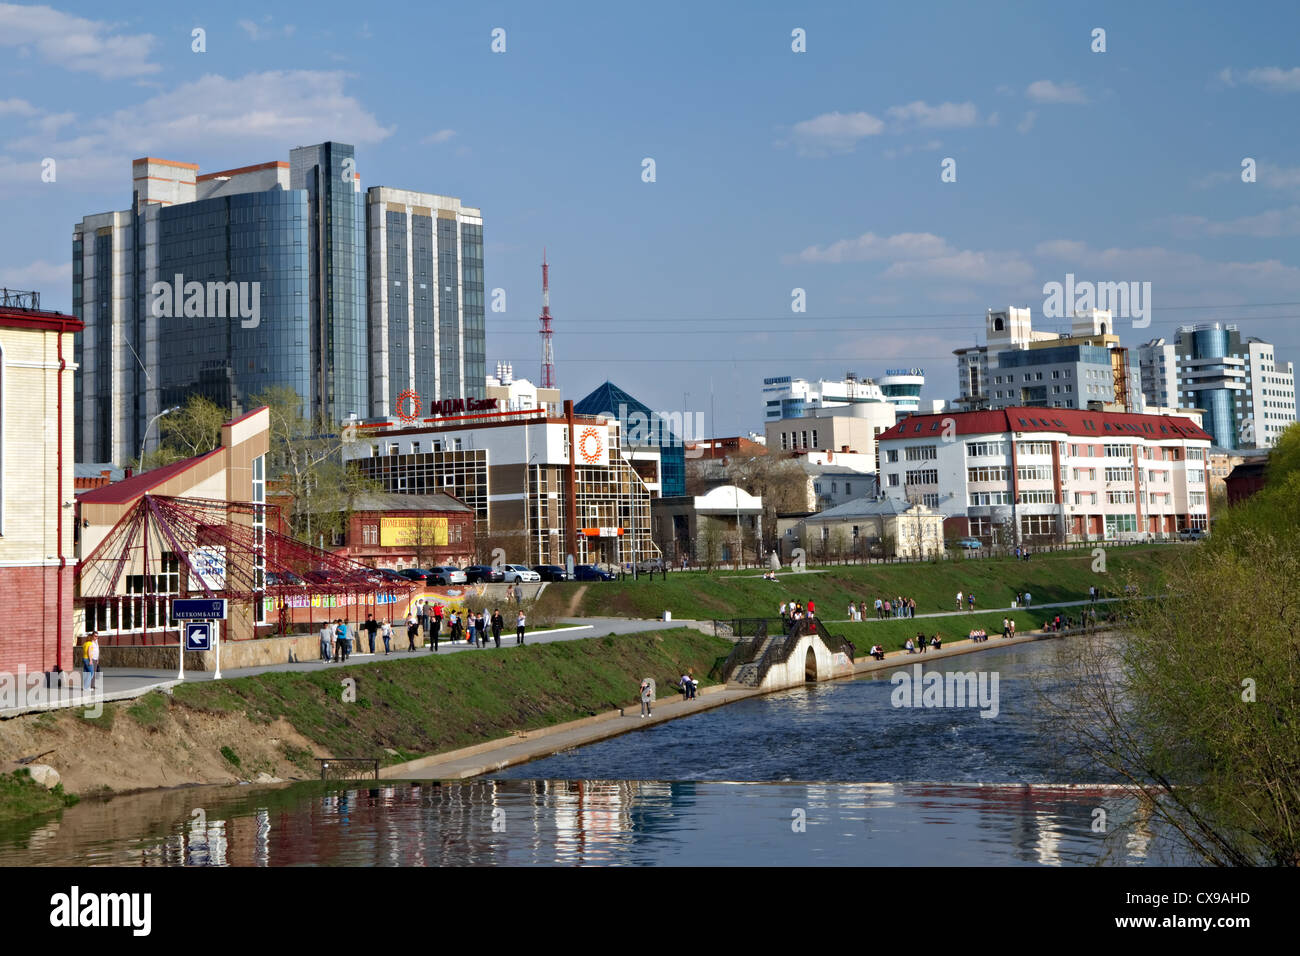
(774, 170)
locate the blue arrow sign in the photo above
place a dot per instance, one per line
(199, 609)
(198, 637)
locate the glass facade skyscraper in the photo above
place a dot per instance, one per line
(359, 296)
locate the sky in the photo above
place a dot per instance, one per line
(910, 167)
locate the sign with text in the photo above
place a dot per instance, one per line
(199, 609)
(408, 532)
(209, 564)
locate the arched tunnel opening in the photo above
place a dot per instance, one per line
(810, 665)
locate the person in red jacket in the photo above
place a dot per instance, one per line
(812, 608)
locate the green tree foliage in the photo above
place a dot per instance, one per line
(1198, 705)
(193, 429)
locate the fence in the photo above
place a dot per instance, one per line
(348, 768)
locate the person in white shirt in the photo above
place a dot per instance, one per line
(520, 624)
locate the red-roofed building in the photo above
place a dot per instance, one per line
(36, 474)
(1051, 474)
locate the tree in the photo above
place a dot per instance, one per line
(839, 542)
(193, 429)
(305, 461)
(1197, 706)
(781, 483)
(711, 539)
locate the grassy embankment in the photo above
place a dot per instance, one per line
(1049, 577)
(435, 704)
(21, 796)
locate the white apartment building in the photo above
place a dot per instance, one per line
(1051, 474)
(786, 397)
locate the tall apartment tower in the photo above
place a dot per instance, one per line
(427, 304)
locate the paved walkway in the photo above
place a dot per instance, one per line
(123, 683)
(871, 611)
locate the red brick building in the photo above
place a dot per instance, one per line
(409, 531)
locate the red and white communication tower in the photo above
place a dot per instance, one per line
(548, 356)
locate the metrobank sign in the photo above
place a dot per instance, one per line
(408, 532)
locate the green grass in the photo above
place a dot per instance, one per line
(232, 758)
(893, 634)
(21, 796)
(1049, 577)
(149, 710)
(432, 704)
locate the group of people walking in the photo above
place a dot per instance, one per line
(897, 606)
(336, 637)
(792, 611)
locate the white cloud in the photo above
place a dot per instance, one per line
(917, 255)
(869, 246)
(834, 132)
(1270, 224)
(1186, 272)
(214, 121)
(968, 265)
(251, 28)
(1272, 78)
(1045, 91)
(75, 43)
(17, 107)
(442, 136)
(942, 116)
(1026, 124)
(45, 277)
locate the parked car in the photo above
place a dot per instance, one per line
(518, 573)
(416, 574)
(551, 572)
(446, 574)
(589, 572)
(653, 565)
(395, 577)
(320, 577)
(970, 544)
(279, 579)
(1192, 534)
(483, 574)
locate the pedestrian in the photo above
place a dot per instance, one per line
(1006, 628)
(921, 642)
(498, 622)
(521, 624)
(970, 600)
(811, 606)
(326, 642)
(911, 607)
(87, 661)
(371, 627)
(647, 695)
(887, 611)
(342, 641)
(880, 609)
(480, 624)
(959, 600)
(425, 618)
(412, 625)
(387, 634)
(437, 624)
(94, 659)
(1028, 597)
(1012, 624)
(453, 623)
(519, 594)
(469, 628)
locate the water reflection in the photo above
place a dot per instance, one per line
(565, 823)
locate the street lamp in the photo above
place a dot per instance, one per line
(145, 440)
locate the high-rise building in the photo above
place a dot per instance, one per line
(426, 299)
(233, 282)
(1248, 397)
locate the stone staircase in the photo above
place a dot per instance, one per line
(749, 674)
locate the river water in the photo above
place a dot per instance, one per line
(828, 774)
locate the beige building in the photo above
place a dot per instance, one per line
(865, 528)
(36, 476)
(848, 429)
(232, 472)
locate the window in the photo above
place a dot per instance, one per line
(985, 498)
(1119, 451)
(1118, 524)
(893, 480)
(1085, 497)
(927, 476)
(1196, 499)
(1037, 497)
(891, 455)
(978, 449)
(922, 452)
(930, 500)
(1121, 497)
(1037, 524)
(987, 473)
(1120, 474)
(1085, 474)
(1034, 472)
(1034, 447)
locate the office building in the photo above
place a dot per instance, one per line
(844, 429)
(515, 470)
(230, 283)
(654, 442)
(1042, 475)
(787, 397)
(1247, 395)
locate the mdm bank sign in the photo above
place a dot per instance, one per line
(453, 406)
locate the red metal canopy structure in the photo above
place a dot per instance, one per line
(165, 548)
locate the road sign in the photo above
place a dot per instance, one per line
(198, 637)
(199, 609)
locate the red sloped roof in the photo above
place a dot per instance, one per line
(127, 490)
(1072, 421)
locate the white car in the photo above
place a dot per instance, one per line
(517, 573)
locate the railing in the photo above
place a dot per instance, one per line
(348, 768)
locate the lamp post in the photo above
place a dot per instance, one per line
(145, 440)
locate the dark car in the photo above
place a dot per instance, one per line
(415, 574)
(589, 572)
(283, 578)
(395, 577)
(321, 577)
(483, 574)
(551, 572)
